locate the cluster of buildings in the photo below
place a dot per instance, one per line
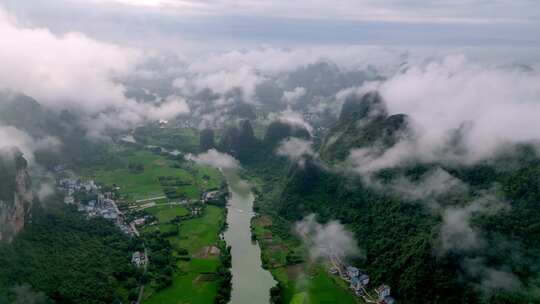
(358, 282)
(103, 206)
(72, 185)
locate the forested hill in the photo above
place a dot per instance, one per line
(62, 257)
(66, 127)
(16, 196)
(437, 233)
(363, 122)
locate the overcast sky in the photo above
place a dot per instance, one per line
(229, 24)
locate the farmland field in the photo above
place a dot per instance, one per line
(144, 182)
(188, 287)
(190, 283)
(166, 213)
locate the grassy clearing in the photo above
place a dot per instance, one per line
(141, 184)
(325, 288)
(167, 213)
(190, 284)
(200, 232)
(299, 298)
(145, 183)
(184, 139)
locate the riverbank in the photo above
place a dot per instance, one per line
(299, 280)
(287, 261)
(251, 283)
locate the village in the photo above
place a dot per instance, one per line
(97, 203)
(102, 206)
(359, 281)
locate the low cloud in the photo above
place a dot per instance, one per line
(461, 111)
(75, 72)
(369, 160)
(459, 235)
(491, 279)
(292, 97)
(430, 189)
(215, 159)
(326, 241)
(68, 71)
(11, 137)
(45, 190)
(224, 81)
(457, 232)
(292, 118)
(295, 149)
(170, 108)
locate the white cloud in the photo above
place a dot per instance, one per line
(275, 60)
(457, 232)
(172, 106)
(45, 190)
(11, 137)
(291, 118)
(71, 70)
(215, 159)
(491, 279)
(295, 148)
(224, 81)
(326, 241)
(291, 97)
(460, 112)
(430, 186)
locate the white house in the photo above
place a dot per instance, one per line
(352, 272)
(383, 291)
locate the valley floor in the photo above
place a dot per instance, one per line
(182, 235)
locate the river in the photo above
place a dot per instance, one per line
(251, 283)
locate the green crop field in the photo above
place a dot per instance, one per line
(166, 213)
(141, 184)
(299, 298)
(184, 139)
(200, 232)
(189, 283)
(317, 288)
(145, 183)
(192, 281)
(325, 288)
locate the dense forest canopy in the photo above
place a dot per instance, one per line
(406, 129)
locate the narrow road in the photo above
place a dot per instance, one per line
(150, 199)
(146, 206)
